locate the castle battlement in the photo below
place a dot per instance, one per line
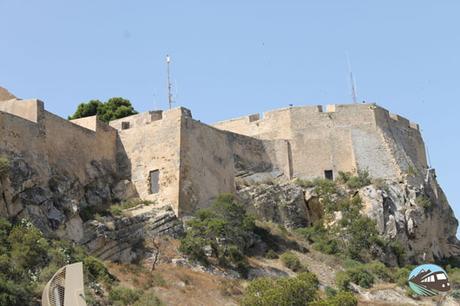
(173, 159)
(145, 118)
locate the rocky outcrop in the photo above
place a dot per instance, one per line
(60, 205)
(280, 203)
(121, 238)
(51, 198)
(420, 218)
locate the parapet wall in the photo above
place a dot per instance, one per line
(339, 138)
(72, 146)
(137, 120)
(27, 109)
(50, 141)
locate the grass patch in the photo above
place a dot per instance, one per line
(117, 209)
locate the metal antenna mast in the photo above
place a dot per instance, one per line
(170, 97)
(352, 82)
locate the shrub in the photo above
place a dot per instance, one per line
(361, 233)
(299, 290)
(313, 233)
(344, 177)
(354, 182)
(291, 261)
(401, 276)
(342, 298)
(380, 270)
(271, 255)
(28, 247)
(327, 246)
(358, 274)
(329, 291)
(361, 277)
(361, 180)
(96, 270)
(324, 187)
(194, 247)
(304, 183)
(423, 201)
(342, 280)
(28, 260)
(397, 248)
(4, 166)
(124, 296)
(224, 226)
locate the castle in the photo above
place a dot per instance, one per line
(169, 157)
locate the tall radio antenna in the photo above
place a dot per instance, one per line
(170, 97)
(352, 81)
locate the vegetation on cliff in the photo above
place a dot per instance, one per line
(343, 229)
(299, 290)
(28, 260)
(114, 108)
(224, 230)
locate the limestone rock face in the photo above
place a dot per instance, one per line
(118, 238)
(420, 218)
(57, 201)
(280, 203)
(52, 198)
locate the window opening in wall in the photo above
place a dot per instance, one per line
(329, 174)
(154, 177)
(124, 125)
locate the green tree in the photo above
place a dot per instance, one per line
(225, 227)
(114, 108)
(87, 109)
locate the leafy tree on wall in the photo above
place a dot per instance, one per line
(114, 108)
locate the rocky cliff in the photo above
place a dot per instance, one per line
(418, 217)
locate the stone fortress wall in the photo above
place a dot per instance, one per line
(341, 138)
(27, 129)
(195, 162)
(171, 158)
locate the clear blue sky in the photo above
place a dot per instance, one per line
(243, 57)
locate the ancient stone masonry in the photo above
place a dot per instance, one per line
(341, 138)
(60, 168)
(171, 158)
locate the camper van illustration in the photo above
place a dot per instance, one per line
(429, 280)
